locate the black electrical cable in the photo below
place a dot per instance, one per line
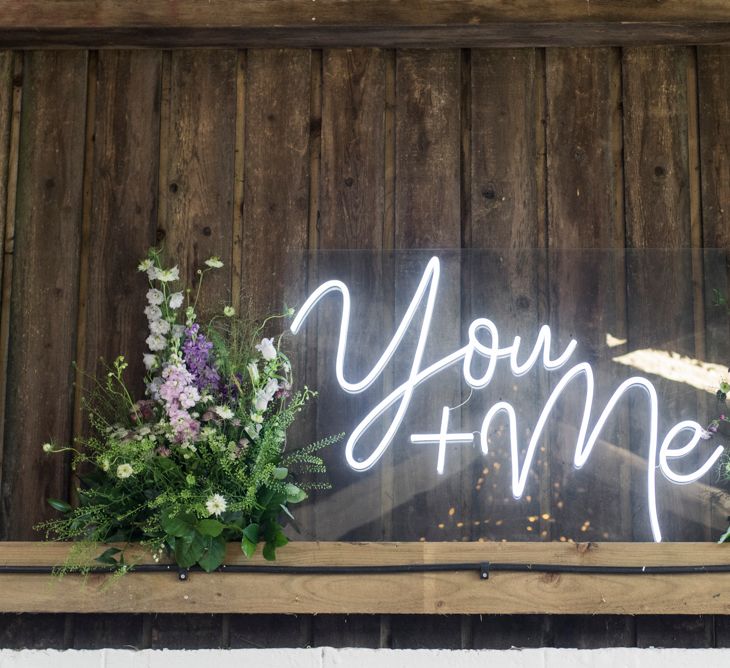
(483, 568)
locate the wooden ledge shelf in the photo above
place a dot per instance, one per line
(407, 593)
(342, 23)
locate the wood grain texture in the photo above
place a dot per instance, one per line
(277, 153)
(123, 208)
(442, 593)
(587, 280)
(45, 286)
(658, 236)
(713, 67)
(351, 217)
(196, 218)
(427, 152)
(505, 271)
(197, 169)
(273, 257)
(367, 23)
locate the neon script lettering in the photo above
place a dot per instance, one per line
(491, 352)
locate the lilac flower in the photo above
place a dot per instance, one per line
(197, 352)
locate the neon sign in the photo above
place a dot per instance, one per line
(660, 456)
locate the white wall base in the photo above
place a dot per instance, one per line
(327, 657)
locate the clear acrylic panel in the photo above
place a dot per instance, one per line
(512, 431)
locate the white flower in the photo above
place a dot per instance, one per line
(267, 349)
(258, 419)
(261, 400)
(271, 387)
(229, 311)
(156, 342)
(48, 447)
(153, 312)
(189, 397)
(124, 471)
(145, 265)
(178, 331)
(150, 361)
(168, 275)
(216, 505)
(154, 296)
(214, 262)
(160, 327)
(253, 371)
(176, 300)
(153, 273)
(224, 412)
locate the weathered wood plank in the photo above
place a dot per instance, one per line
(714, 130)
(659, 266)
(45, 286)
(123, 207)
(506, 270)
(275, 236)
(196, 218)
(587, 280)
(197, 169)
(366, 23)
(427, 216)
(351, 216)
(442, 593)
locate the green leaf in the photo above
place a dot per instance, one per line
(294, 494)
(248, 547)
(280, 539)
(270, 552)
(215, 552)
(211, 528)
(107, 556)
(59, 505)
(286, 510)
(725, 538)
(189, 550)
(280, 473)
(251, 533)
(180, 525)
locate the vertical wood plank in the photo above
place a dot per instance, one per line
(714, 139)
(586, 238)
(197, 178)
(196, 218)
(8, 175)
(276, 207)
(427, 216)
(659, 214)
(658, 217)
(504, 280)
(587, 299)
(351, 214)
(45, 286)
(508, 266)
(123, 220)
(124, 206)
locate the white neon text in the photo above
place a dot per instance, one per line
(587, 436)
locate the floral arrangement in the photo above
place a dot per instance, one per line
(201, 460)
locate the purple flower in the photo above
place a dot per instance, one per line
(197, 352)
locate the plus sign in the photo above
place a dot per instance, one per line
(442, 438)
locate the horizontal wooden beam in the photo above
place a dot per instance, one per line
(341, 23)
(408, 593)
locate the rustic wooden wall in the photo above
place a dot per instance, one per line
(260, 155)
